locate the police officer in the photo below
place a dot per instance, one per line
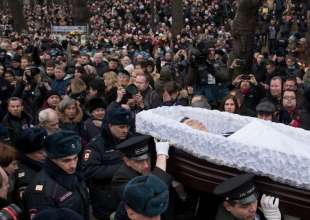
(137, 161)
(57, 185)
(31, 157)
(240, 201)
(144, 197)
(101, 160)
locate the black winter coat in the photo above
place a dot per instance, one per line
(16, 125)
(100, 161)
(27, 170)
(53, 188)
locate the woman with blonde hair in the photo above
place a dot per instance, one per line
(70, 114)
(110, 82)
(78, 90)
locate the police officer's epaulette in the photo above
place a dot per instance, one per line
(39, 187)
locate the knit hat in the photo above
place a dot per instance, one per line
(31, 140)
(146, 195)
(62, 144)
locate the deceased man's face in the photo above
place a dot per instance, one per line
(195, 124)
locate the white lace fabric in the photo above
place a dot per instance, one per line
(264, 148)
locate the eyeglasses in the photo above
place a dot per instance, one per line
(289, 97)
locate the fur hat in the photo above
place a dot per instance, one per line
(57, 214)
(118, 116)
(146, 195)
(62, 144)
(95, 103)
(31, 140)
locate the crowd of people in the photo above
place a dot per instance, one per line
(71, 100)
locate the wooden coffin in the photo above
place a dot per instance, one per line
(203, 176)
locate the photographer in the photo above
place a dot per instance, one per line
(247, 85)
(203, 76)
(31, 90)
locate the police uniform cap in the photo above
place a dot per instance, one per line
(118, 116)
(136, 147)
(62, 144)
(31, 140)
(146, 195)
(239, 188)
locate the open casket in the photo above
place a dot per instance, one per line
(278, 154)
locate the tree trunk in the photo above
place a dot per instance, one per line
(80, 12)
(1, 4)
(16, 7)
(177, 17)
(243, 33)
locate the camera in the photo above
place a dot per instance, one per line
(245, 77)
(10, 212)
(131, 90)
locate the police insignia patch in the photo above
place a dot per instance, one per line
(39, 187)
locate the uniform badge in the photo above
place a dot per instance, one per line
(87, 155)
(20, 175)
(39, 188)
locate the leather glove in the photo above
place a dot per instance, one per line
(270, 207)
(162, 147)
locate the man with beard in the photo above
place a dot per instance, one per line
(101, 160)
(57, 185)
